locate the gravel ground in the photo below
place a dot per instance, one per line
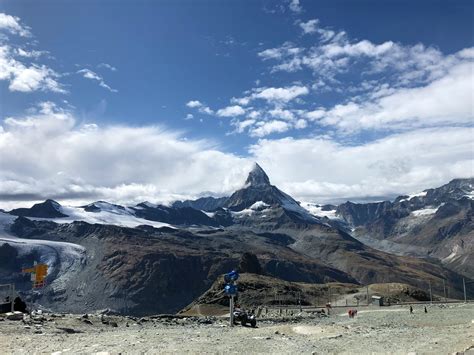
(445, 329)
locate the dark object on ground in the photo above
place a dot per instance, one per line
(69, 330)
(245, 317)
(426, 311)
(19, 305)
(411, 309)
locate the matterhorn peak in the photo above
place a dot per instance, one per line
(257, 177)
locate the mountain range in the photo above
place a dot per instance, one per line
(152, 258)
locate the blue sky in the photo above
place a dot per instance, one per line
(234, 82)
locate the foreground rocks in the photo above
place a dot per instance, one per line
(445, 329)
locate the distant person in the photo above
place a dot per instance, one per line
(328, 308)
(411, 309)
(426, 311)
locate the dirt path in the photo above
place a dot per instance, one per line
(443, 330)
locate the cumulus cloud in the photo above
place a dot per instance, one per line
(310, 26)
(21, 75)
(231, 111)
(85, 162)
(26, 78)
(89, 74)
(447, 100)
(295, 6)
(13, 25)
(402, 163)
(117, 163)
(265, 128)
(199, 106)
(279, 95)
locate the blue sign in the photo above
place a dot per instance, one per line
(231, 276)
(230, 290)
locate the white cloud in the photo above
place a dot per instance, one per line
(322, 169)
(282, 114)
(189, 116)
(89, 74)
(301, 123)
(241, 126)
(90, 162)
(231, 111)
(12, 24)
(200, 106)
(194, 103)
(295, 6)
(447, 100)
(107, 66)
(310, 26)
(263, 129)
(280, 95)
(26, 78)
(117, 163)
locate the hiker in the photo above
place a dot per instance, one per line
(426, 311)
(328, 307)
(411, 309)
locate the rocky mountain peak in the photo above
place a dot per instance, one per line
(257, 177)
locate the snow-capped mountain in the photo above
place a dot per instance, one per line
(136, 258)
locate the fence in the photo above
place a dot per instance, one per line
(7, 295)
(436, 291)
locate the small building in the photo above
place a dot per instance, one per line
(377, 300)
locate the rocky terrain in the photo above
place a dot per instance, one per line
(445, 329)
(436, 222)
(149, 259)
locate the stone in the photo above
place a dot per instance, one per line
(14, 315)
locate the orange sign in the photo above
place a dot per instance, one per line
(38, 274)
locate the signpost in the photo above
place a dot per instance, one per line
(231, 290)
(38, 274)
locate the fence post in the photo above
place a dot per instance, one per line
(464, 287)
(444, 289)
(367, 295)
(431, 295)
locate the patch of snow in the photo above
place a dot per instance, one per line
(454, 253)
(316, 210)
(209, 214)
(419, 194)
(259, 205)
(425, 211)
(109, 214)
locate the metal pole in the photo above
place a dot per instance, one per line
(367, 295)
(464, 287)
(231, 308)
(431, 296)
(444, 289)
(12, 298)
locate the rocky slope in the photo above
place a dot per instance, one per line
(438, 222)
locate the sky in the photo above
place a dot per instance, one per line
(128, 101)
